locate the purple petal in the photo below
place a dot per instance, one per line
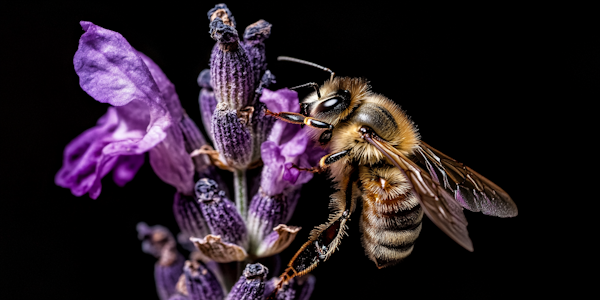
(297, 145)
(271, 154)
(281, 100)
(171, 162)
(290, 174)
(126, 168)
(166, 88)
(111, 71)
(86, 159)
(170, 159)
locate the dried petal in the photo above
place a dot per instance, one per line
(214, 248)
(277, 241)
(201, 284)
(221, 11)
(251, 284)
(220, 214)
(233, 139)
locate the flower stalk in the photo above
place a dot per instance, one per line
(241, 192)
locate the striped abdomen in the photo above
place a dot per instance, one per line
(391, 216)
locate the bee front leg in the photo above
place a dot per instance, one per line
(324, 162)
(296, 118)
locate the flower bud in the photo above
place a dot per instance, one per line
(261, 128)
(231, 71)
(159, 242)
(189, 216)
(251, 284)
(232, 137)
(206, 101)
(220, 214)
(200, 283)
(254, 37)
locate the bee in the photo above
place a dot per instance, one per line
(376, 157)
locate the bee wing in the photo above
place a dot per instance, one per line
(470, 189)
(438, 204)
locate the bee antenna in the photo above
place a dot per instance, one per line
(313, 84)
(300, 61)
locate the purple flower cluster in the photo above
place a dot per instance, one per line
(146, 116)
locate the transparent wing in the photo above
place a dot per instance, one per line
(470, 189)
(438, 204)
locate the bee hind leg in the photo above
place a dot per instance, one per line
(325, 238)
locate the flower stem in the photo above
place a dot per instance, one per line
(241, 197)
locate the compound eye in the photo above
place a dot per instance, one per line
(338, 103)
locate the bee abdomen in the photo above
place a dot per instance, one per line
(389, 237)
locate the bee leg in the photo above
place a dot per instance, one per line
(296, 118)
(325, 238)
(213, 155)
(324, 162)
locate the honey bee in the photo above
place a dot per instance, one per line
(376, 156)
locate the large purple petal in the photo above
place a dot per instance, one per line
(86, 160)
(169, 159)
(126, 168)
(111, 71)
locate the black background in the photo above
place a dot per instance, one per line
(482, 84)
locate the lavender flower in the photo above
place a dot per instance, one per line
(146, 116)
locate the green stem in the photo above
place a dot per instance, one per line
(241, 196)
